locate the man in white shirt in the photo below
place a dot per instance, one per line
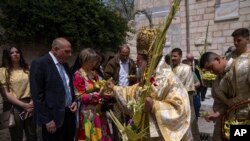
(52, 93)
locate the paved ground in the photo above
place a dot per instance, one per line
(204, 127)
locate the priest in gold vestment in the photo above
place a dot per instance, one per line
(168, 106)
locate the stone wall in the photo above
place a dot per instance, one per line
(223, 16)
(219, 33)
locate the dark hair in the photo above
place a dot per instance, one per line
(206, 57)
(99, 65)
(178, 50)
(230, 52)
(144, 56)
(7, 63)
(244, 32)
(167, 59)
(185, 61)
(101, 57)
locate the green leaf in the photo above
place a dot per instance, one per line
(84, 22)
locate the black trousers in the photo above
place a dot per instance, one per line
(27, 125)
(64, 133)
(203, 91)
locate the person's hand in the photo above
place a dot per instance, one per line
(107, 93)
(51, 127)
(131, 77)
(73, 107)
(30, 111)
(148, 104)
(102, 91)
(110, 84)
(212, 116)
(31, 102)
(153, 94)
(27, 107)
(30, 114)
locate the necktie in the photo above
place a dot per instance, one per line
(68, 97)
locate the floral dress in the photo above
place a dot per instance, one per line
(93, 125)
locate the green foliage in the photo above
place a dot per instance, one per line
(126, 8)
(83, 22)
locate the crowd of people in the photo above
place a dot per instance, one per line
(70, 103)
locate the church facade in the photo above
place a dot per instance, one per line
(188, 29)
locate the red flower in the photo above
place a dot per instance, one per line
(152, 81)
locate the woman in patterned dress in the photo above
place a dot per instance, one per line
(93, 125)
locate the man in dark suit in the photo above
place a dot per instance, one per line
(53, 94)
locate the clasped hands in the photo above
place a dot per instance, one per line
(28, 109)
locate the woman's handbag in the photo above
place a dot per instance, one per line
(7, 119)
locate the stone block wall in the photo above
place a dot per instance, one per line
(202, 12)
